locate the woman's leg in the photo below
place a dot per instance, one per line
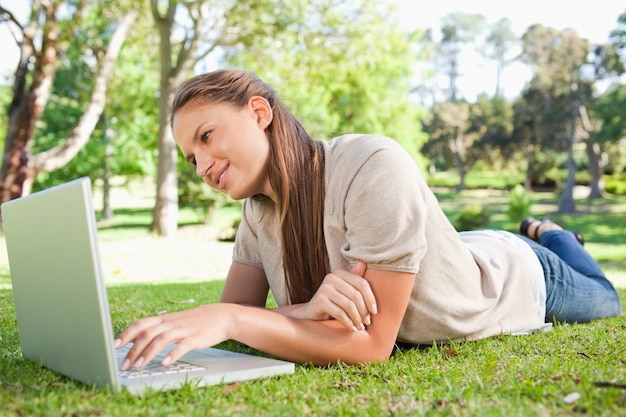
(565, 245)
(576, 288)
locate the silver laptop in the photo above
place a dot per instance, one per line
(62, 307)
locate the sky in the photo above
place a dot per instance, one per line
(590, 19)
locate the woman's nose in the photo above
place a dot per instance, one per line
(203, 165)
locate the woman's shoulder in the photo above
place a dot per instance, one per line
(363, 142)
(358, 148)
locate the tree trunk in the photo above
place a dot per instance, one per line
(594, 155)
(107, 210)
(566, 201)
(165, 215)
(456, 146)
(173, 71)
(528, 181)
(27, 106)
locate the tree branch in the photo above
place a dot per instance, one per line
(7, 16)
(60, 155)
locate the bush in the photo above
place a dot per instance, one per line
(615, 185)
(228, 234)
(519, 204)
(472, 218)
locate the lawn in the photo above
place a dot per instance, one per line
(572, 370)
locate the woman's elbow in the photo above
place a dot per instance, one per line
(374, 353)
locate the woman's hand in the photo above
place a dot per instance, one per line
(344, 296)
(197, 328)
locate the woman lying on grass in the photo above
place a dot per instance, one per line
(353, 245)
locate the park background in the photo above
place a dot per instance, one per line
(510, 110)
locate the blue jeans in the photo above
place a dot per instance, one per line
(576, 288)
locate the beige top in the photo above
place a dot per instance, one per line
(379, 209)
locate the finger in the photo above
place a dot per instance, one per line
(337, 291)
(148, 343)
(183, 347)
(132, 334)
(350, 321)
(365, 299)
(134, 329)
(329, 303)
(359, 268)
(352, 302)
(364, 287)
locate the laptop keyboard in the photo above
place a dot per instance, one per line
(155, 367)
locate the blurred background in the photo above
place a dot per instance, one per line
(519, 98)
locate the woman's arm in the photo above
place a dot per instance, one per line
(245, 285)
(320, 342)
(343, 295)
(326, 342)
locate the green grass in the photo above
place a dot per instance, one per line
(502, 376)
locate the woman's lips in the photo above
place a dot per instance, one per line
(220, 178)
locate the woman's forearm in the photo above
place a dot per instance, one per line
(293, 311)
(319, 342)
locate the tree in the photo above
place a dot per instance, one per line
(605, 63)
(617, 37)
(560, 90)
(492, 119)
(457, 29)
(528, 132)
(608, 111)
(498, 45)
(450, 131)
(43, 40)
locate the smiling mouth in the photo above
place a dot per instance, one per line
(220, 178)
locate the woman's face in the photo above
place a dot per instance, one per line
(228, 145)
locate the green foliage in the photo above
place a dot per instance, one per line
(519, 204)
(493, 120)
(5, 100)
(609, 109)
(472, 217)
(340, 78)
(617, 37)
(615, 184)
(126, 133)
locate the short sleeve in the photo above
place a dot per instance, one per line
(383, 208)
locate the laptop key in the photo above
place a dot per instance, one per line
(157, 368)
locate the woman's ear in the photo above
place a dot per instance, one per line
(263, 111)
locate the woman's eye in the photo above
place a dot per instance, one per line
(205, 136)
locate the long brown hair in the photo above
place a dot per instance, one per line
(295, 170)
